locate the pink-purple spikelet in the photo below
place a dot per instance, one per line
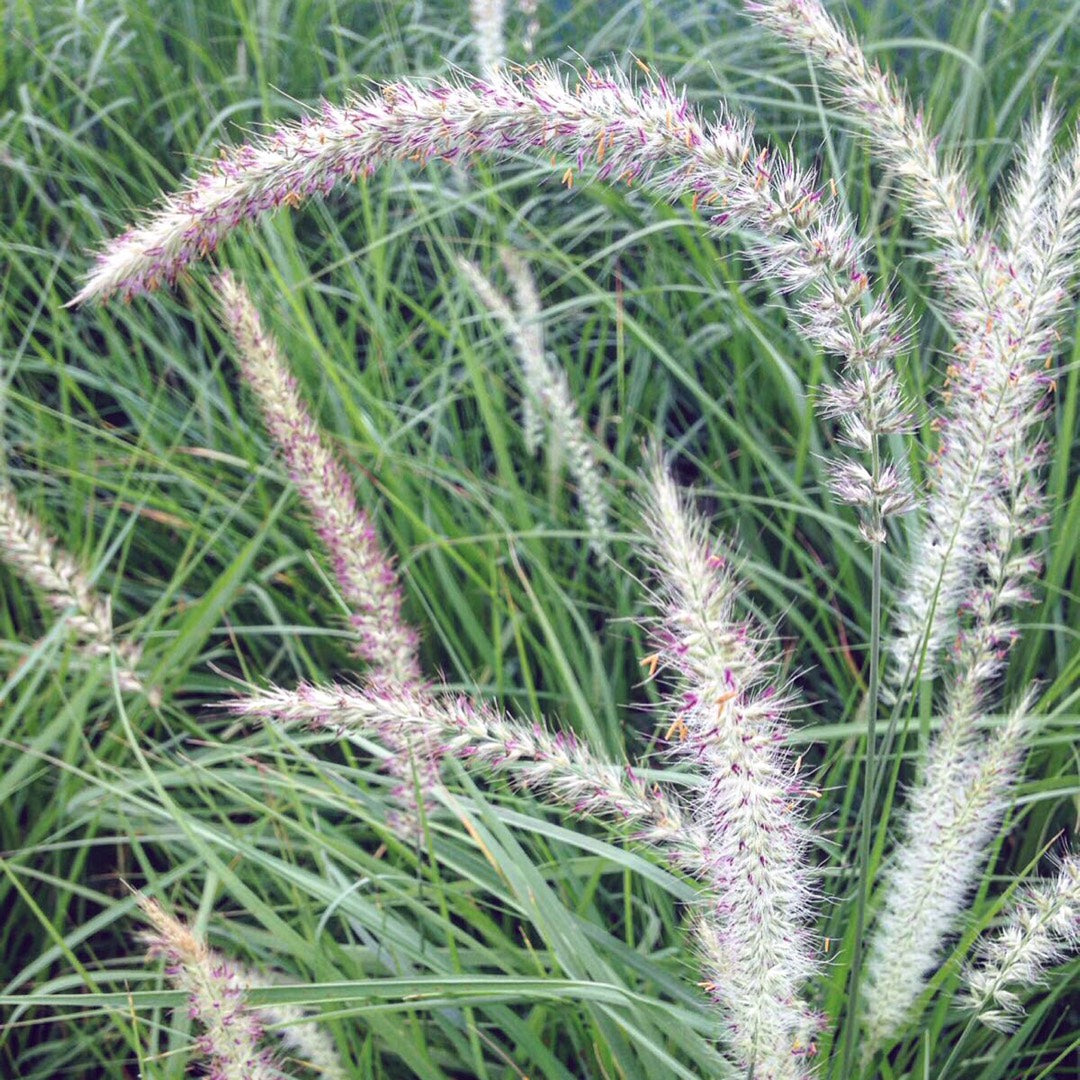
(368, 581)
(728, 718)
(231, 1035)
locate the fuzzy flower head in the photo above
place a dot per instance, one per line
(604, 126)
(728, 719)
(365, 573)
(1042, 927)
(231, 1034)
(488, 21)
(948, 823)
(41, 561)
(548, 400)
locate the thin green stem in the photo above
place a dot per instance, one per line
(862, 900)
(950, 1061)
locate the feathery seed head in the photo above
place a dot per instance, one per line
(368, 581)
(1042, 927)
(365, 573)
(730, 714)
(547, 391)
(947, 826)
(28, 549)
(231, 1033)
(488, 22)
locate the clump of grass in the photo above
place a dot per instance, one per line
(767, 856)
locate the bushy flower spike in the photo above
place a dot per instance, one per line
(557, 767)
(729, 720)
(231, 1033)
(948, 822)
(28, 549)
(546, 386)
(646, 135)
(993, 412)
(529, 338)
(297, 1029)
(364, 572)
(953, 809)
(525, 330)
(940, 198)
(1044, 269)
(1042, 927)
(488, 22)
(995, 401)
(1029, 187)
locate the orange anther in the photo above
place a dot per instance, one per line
(678, 726)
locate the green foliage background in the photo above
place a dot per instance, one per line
(513, 942)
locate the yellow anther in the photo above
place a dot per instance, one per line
(652, 661)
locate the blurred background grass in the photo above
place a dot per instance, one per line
(538, 947)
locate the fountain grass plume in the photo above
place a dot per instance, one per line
(232, 1036)
(729, 720)
(488, 19)
(525, 330)
(365, 574)
(557, 767)
(296, 1027)
(604, 126)
(1041, 928)
(1005, 298)
(528, 335)
(546, 389)
(28, 549)
(954, 807)
(949, 820)
(367, 578)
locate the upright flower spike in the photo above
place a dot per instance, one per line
(729, 721)
(528, 335)
(27, 548)
(1041, 928)
(940, 198)
(525, 330)
(948, 823)
(488, 23)
(232, 1037)
(988, 471)
(736, 924)
(1029, 187)
(954, 808)
(546, 386)
(365, 574)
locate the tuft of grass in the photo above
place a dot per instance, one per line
(503, 942)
